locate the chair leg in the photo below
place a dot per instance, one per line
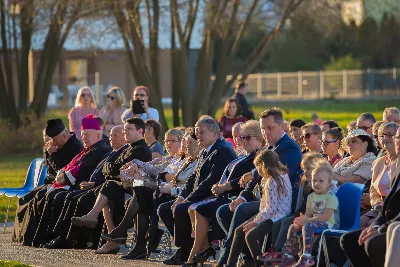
(8, 211)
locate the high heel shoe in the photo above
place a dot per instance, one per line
(203, 256)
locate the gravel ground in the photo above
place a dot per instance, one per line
(68, 257)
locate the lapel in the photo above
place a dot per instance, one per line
(213, 150)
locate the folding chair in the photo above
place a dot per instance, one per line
(35, 176)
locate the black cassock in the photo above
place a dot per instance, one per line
(37, 210)
(54, 162)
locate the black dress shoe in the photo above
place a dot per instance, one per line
(174, 261)
(58, 243)
(135, 255)
(203, 256)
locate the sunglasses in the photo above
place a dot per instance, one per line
(170, 141)
(111, 97)
(85, 95)
(365, 128)
(306, 136)
(325, 143)
(141, 95)
(245, 137)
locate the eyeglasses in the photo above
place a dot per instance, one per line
(365, 128)
(85, 95)
(388, 135)
(325, 143)
(246, 137)
(141, 95)
(306, 136)
(170, 141)
(111, 97)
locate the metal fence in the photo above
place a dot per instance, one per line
(324, 84)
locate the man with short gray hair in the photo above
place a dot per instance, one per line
(212, 161)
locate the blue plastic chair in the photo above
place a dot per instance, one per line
(35, 176)
(349, 196)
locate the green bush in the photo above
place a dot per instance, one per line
(344, 63)
(25, 139)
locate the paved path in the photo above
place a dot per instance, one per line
(65, 257)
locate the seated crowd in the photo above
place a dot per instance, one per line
(239, 185)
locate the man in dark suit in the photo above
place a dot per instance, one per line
(210, 167)
(244, 207)
(240, 92)
(366, 247)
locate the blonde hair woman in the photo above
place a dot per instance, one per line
(111, 112)
(85, 103)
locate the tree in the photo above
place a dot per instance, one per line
(225, 20)
(19, 21)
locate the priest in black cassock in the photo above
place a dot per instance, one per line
(60, 150)
(68, 178)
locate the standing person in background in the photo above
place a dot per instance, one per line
(231, 116)
(240, 92)
(111, 113)
(139, 106)
(315, 118)
(85, 104)
(151, 134)
(391, 114)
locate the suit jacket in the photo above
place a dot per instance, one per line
(208, 171)
(391, 207)
(246, 110)
(84, 166)
(97, 176)
(138, 150)
(290, 155)
(245, 166)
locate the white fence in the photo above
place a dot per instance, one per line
(324, 84)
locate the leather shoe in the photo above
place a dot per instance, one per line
(58, 243)
(135, 255)
(174, 261)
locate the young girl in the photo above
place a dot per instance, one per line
(275, 204)
(322, 206)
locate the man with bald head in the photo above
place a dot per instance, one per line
(66, 203)
(236, 138)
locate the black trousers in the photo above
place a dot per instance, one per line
(154, 214)
(178, 220)
(84, 204)
(370, 254)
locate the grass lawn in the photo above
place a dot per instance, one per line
(13, 264)
(13, 168)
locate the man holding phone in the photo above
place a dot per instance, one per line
(139, 106)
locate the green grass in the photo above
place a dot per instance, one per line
(13, 264)
(12, 174)
(13, 168)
